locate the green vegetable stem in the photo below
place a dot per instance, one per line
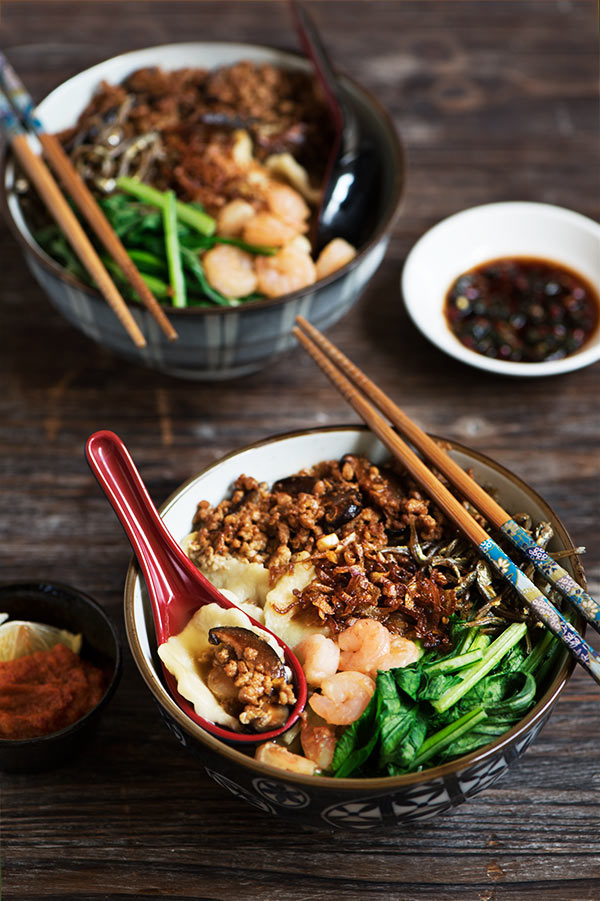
(173, 251)
(159, 288)
(491, 657)
(439, 740)
(191, 215)
(452, 664)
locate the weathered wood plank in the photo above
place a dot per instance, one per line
(495, 100)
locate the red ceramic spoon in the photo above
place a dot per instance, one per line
(176, 588)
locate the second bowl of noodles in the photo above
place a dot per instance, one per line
(217, 339)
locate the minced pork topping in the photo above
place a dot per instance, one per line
(360, 525)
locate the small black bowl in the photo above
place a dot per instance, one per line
(59, 605)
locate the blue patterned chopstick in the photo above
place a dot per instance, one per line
(18, 95)
(9, 122)
(553, 572)
(542, 607)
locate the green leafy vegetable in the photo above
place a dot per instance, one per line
(439, 740)
(147, 262)
(494, 653)
(398, 714)
(159, 288)
(358, 741)
(427, 712)
(480, 642)
(406, 750)
(435, 686)
(531, 663)
(409, 679)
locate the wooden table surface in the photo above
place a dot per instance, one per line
(495, 101)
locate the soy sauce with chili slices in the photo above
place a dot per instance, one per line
(522, 309)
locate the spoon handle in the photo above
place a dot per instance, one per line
(314, 49)
(169, 574)
(176, 588)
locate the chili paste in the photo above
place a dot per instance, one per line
(46, 691)
(524, 310)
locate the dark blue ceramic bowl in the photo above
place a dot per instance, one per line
(58, 605)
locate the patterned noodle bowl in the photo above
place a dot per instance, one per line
(220, 343)
(320, 801)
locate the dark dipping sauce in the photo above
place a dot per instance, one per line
(522, 309)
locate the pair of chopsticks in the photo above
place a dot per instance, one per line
(17, 119)
(350, 382)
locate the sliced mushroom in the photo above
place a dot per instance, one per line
(249, 678)
(247, 645)
(295, 484)
(341, 507)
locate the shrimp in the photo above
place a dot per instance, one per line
(288, 205)
(230, 270)
(300, 243)
(363, 645)
(277, 755)
(333, 256)
(232, 218)
(289, 270)
(319, 657)
(344, 697)
(318, 743)
(401, 653)
(267, 230)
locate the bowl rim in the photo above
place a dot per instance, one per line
(399, 181)
(387, 783)
(586, 356)
(41, 586)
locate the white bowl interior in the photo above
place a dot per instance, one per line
(281, 457)
(489, 232)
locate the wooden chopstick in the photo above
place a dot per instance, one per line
(487, 547)
(87, 205)
(60, 210)
(81, 195)
(467, 486)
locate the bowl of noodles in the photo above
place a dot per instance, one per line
(240, 135)
(322, 538)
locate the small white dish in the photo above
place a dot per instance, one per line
(479, 234)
